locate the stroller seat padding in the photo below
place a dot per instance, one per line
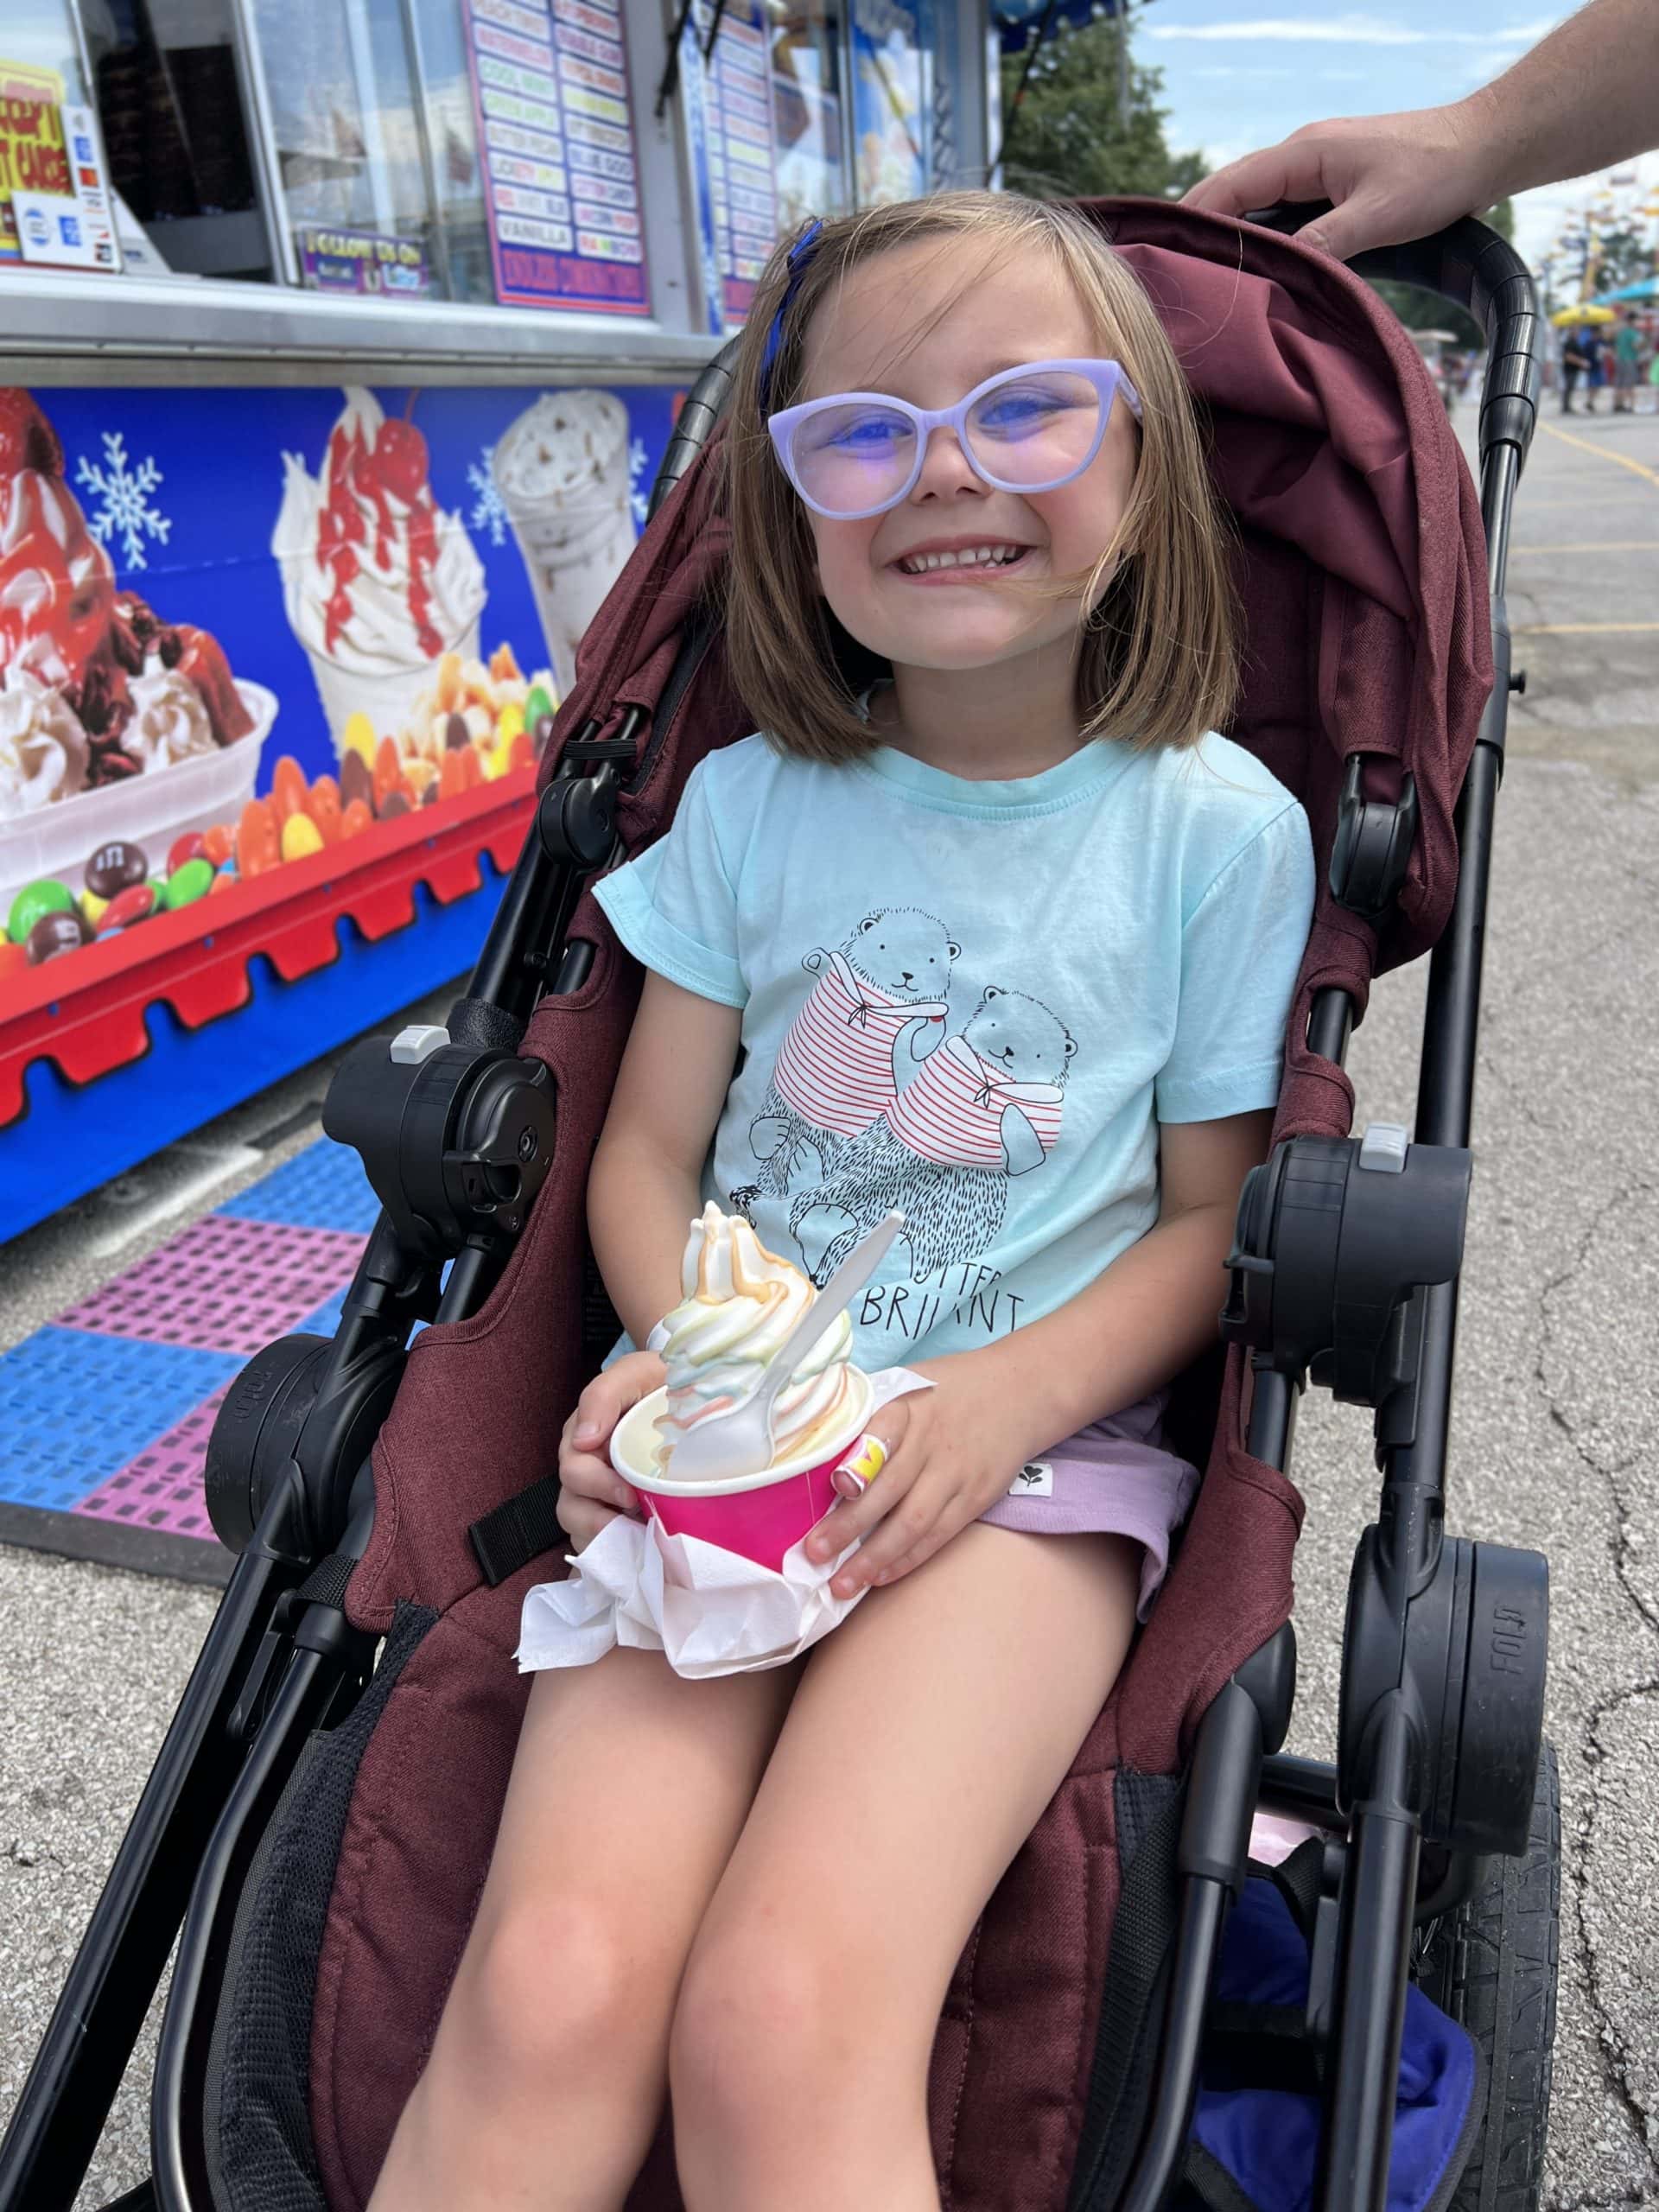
(1362, 577)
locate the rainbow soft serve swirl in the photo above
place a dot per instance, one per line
(740, 1303)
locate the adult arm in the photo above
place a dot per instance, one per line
(1584, 98)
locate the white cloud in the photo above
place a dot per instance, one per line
(1349, 30)
(1218, 152)
(1475, 70)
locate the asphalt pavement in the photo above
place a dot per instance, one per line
(1556, 1441)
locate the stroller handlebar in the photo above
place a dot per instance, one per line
(1469, 264)
(703, 406)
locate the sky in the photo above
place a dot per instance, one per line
(1239, 75)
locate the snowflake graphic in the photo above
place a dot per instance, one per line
(124, 489)
(639, 494)
(489, 512)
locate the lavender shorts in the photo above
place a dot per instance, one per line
(1113, 1477)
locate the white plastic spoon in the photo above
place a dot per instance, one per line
(739, 1442)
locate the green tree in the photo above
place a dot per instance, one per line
(1421, 309)
(1068, 135)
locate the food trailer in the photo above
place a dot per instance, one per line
(339, 341)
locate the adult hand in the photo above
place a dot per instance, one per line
(1390, 177)
(591, 1492)
(952, 1451)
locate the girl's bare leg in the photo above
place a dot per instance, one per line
(928, 1734)
(548, 2067)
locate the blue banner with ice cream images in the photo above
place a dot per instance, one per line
(382, 589)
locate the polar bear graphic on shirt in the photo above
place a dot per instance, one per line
(876, 1011)
(984, 1109)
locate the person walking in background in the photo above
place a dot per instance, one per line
(1595, 366)
(1627, 363)
(1586, 97)
(1574, 362)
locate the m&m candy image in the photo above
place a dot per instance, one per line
(33, 901)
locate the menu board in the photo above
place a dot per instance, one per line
(694, 107)
(741, 155)
(561, 186)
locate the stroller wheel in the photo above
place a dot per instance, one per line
(1491, 1963)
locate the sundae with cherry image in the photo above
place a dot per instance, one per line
(114, 721)
(379, 584)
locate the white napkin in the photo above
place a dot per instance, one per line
(711, 1611)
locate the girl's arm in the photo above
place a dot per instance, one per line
(645, 1186)
(954, 1449)
(1150, 1313)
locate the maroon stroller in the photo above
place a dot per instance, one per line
(325, 1802)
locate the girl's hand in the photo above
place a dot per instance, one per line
(591, 1492)
(952, 1451)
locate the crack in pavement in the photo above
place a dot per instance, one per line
(1487, 1069)
(1615, 2055)
(1639, 2198)
(1580, 959)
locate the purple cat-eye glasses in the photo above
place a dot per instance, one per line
(1027, 430)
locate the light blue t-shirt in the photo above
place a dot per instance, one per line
(976, 1001)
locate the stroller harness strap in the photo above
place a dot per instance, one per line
(519, 1530)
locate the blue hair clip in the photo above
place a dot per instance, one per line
(799, 255)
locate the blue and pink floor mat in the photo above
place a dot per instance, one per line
(106, 1412)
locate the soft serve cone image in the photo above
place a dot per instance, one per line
(740, 1302)
(561, 469)
(378, 582)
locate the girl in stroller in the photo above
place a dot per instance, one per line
(997, 930)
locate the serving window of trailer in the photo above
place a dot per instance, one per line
(493, 152)
(472, 151)
(341, 342)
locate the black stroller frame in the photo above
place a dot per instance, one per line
(1350, 1272)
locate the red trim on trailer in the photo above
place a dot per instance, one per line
(88, 1015)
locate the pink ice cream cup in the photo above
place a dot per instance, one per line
(759, 1516)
